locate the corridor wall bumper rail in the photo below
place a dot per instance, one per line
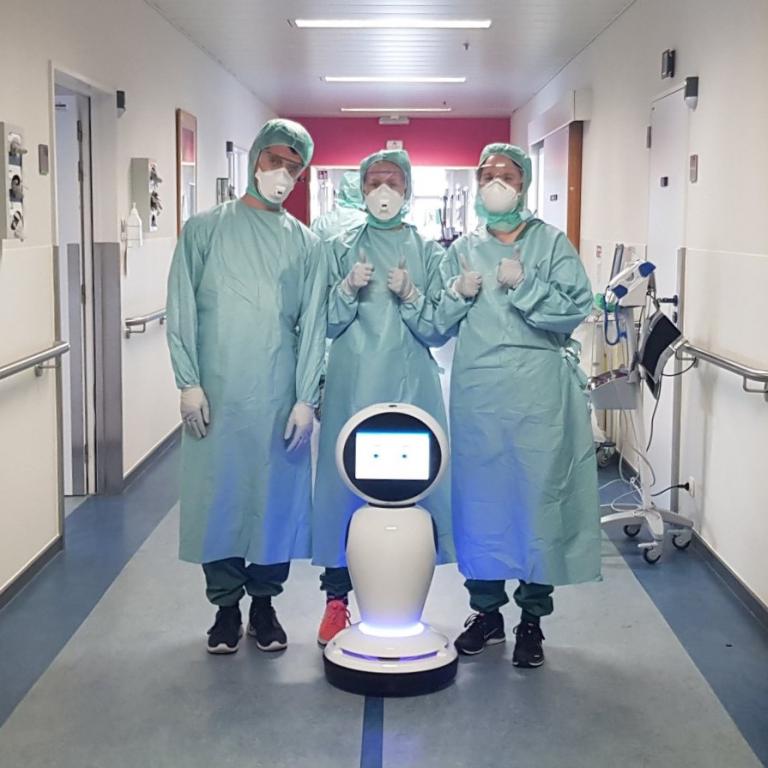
(37, 361)
(748, 375)
(139, 324)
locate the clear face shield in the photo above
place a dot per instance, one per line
(375, 177)
(503, 169)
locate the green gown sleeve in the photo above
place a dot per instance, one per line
(312, 322)
(342, 308)
(560, 301)
(181, 304)
(451, 308)
(421, 315)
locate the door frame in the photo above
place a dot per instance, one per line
(102, 285)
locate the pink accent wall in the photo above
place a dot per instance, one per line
(428, 141)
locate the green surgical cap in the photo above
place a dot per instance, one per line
(516, 155)
(350, 194)
(511, 219)
(397, 156)
(400, 158)
(279, 131)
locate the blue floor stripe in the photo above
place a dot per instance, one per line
(372, 751)
(101, 536)
(720, 634)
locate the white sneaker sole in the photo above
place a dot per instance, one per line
(274, 646)
(222, 649)
(492, 641)
(535, 665)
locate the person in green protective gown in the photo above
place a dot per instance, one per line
(348, 212)
(385, 285)
(525, 499)
(246, 330)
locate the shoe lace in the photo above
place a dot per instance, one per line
(225, 620)
(265, 618)
(336, 607)
(529, 630)
(474, 618)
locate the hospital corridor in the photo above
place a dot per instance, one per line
(383, 385)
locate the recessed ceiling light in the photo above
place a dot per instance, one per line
(395, 79)
(396, 110)
(393, 23)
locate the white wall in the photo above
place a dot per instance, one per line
(555, 212)
(122, 44)
(725, 432)
(150, 402)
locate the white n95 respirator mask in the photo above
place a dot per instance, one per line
(276, 185)
(384, 202)
(499, 197)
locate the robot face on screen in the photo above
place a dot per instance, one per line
(391, 455)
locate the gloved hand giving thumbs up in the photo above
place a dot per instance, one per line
(400, 283)
(470, 282)
(510, 273)
(359, 276)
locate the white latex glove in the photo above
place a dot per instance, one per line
(195, 412)
(400, 283)
(510, 273)
(470, 282)
(359, 276)
(299, 427)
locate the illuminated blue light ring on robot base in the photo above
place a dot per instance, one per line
(397, 655)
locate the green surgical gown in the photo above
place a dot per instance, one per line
(525, 498)
(379, 353)
(246, 322)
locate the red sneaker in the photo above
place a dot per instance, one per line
(335, 619)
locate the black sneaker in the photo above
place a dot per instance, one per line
(528, 650)
(224, 636)
(481, 629)
(264, 626)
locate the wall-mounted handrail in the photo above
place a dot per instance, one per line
(35, 361)
(747, 374)
(139, 324)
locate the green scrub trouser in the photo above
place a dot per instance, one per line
(535, 600)
(226, 581)
(335, 582)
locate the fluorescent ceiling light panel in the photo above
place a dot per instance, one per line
(393, 23)
(395, 79)
(396, 110)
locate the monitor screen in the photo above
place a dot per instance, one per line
(392, 455)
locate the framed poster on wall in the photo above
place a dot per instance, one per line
(186, 167)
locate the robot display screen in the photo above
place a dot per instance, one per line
(392, 455)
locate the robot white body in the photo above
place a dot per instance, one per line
(391, 558)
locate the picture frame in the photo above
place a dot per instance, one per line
(186, 167)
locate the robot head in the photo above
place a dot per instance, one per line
(391, 455)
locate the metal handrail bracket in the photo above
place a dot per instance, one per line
(36, 361)
(139, 324)
(747, 374)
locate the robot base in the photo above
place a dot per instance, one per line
(382, 666)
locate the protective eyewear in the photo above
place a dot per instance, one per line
(508, 174)
(275, 161)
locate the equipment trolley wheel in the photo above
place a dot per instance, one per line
(632, 530)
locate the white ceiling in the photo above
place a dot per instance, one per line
(529, 42)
